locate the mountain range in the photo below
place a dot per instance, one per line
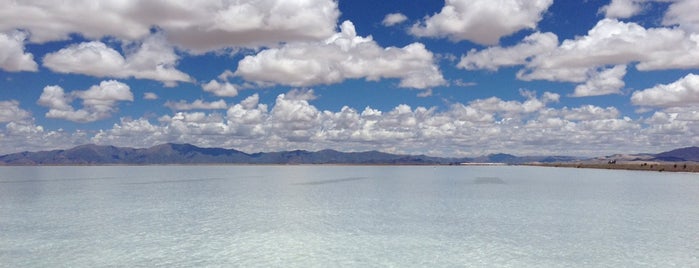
(171, 153)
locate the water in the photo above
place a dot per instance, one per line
(326, 216)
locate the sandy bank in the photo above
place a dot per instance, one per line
(631, 165)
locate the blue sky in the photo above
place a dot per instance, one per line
(446, 78)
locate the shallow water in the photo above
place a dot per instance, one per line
(367, 216)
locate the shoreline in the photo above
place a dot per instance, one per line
(256, 164)
(689, 167)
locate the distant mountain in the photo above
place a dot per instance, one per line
(96, 154)
(679, 155)
(512, 159)
(171, 153)
(544, 159)
(688, 154)
(496, 158)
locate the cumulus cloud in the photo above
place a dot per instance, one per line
(99, 101)
(152, 59)
(524, 126)
(584, 59)
(196, 105)
(681, 93)
(587, 113)
(679, 13)
(11, 112)
(293, 118)
(612, 42)
(90, 58)
(195, 126)
(684, 14)
(197, 26)
(608, 81)
(13, 58)
(622, 8)
(516, 126)
(343, 56)
(246, 118)
(675, 127)
(221, 89)
(512, 108)
(139, 133)
(482, 21)
(495, 57)
(27, 136)
(393, 19)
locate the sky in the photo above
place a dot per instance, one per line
(442, 78)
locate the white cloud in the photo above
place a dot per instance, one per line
(681, 93)
(133, 133)
(19, 136)
(91, 58)
(155, 59)
(11, 112)
(301, 94)
(462, 83)
(612, 42)
(393, 19)
(683, 13)
(102, 98)
(608, 81)
(680, 13)
(152, 59)
(425, 93)
(294, 123)
(343, 56)
(582, 113)
(13, 58)
(482, 21)
(99, 101)
(54, 97)
(221, 89)
(583, 59)
(246, 118)
(623, 8)
(293, 118)
(526, 126)
(150, 96)
(197, 26)
(495, 57)
(678, 128)
(225, 75)
(510, 108)
(196, 105)
(22, 129)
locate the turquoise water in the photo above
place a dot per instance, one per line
(362, 216)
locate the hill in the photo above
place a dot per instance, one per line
(171, 153)
(680, 155)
